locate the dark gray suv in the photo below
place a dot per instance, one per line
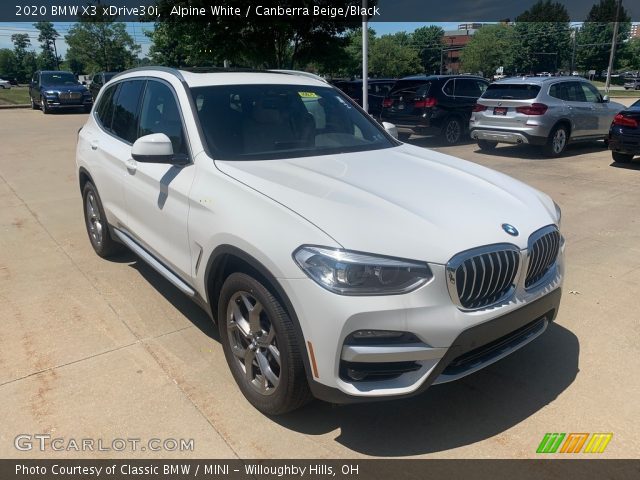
(545, 111)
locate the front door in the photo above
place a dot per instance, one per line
(157, 195)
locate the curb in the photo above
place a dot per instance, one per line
(22, 105)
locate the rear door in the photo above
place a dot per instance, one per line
(108, 152)
(466, 94)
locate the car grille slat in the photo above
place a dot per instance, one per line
(482, 277)
(544, 247)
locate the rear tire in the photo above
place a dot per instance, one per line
(404, 136)
(95, 221)
(557, 141)
(621, 157)
(33, 104)
(256, 330)
(452, 131)
(487, 144)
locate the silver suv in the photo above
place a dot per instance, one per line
(545, 111)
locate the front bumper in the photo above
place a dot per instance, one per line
(444, 334)
(475, 348)
(56, 103)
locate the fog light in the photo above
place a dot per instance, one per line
(356, 375)
(366, 334)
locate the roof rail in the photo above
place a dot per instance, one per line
(157, 68)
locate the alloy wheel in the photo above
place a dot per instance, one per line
(253, 342)
(559, 140)
(452, 131)
(94, 221)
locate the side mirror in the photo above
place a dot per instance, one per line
(156, 148)
(391, 129)
(605, 99)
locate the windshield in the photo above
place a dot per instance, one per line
(108, 76)
(515, 91)
(58, 78)
(261, 122)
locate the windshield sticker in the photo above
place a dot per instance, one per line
(308, 95)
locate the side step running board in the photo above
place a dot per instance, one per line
(153, 263)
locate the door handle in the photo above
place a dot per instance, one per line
(94, 145)
(131, 165)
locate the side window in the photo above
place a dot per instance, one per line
(555, 91)
(160, 114)
(573, 92)
(482, 86)
(590, 92)
(448, 87)
(466, 87)
(125, 110)
(104, 110)
(96, 79)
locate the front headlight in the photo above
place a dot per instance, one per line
(558, 213)
(50, 92)
(353, 273)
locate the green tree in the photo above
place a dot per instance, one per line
(393, 56)
(352, 52)
(491, 47)
(268, 42)
(594, 38)
(544, 37)
(8, 64)
(100, 46)
(428, 41)
(48, 59)
(25, 59)
(630, 58)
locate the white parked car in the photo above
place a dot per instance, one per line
(337, 261)
(5, 84)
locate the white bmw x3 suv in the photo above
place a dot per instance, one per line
(337, 262)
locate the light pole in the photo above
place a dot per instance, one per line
(613, 46)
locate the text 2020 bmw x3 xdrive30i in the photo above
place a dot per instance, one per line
(338, 262)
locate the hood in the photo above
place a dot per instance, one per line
(404, 201)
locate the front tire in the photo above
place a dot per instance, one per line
(43, 105)
(557, 141)
(621, 157)
(452, 131)
(260, 345)
(95, 221)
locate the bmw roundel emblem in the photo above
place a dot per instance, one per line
(510, 229)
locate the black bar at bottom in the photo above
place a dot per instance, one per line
(534, 469)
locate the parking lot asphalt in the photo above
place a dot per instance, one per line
(99, 349)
